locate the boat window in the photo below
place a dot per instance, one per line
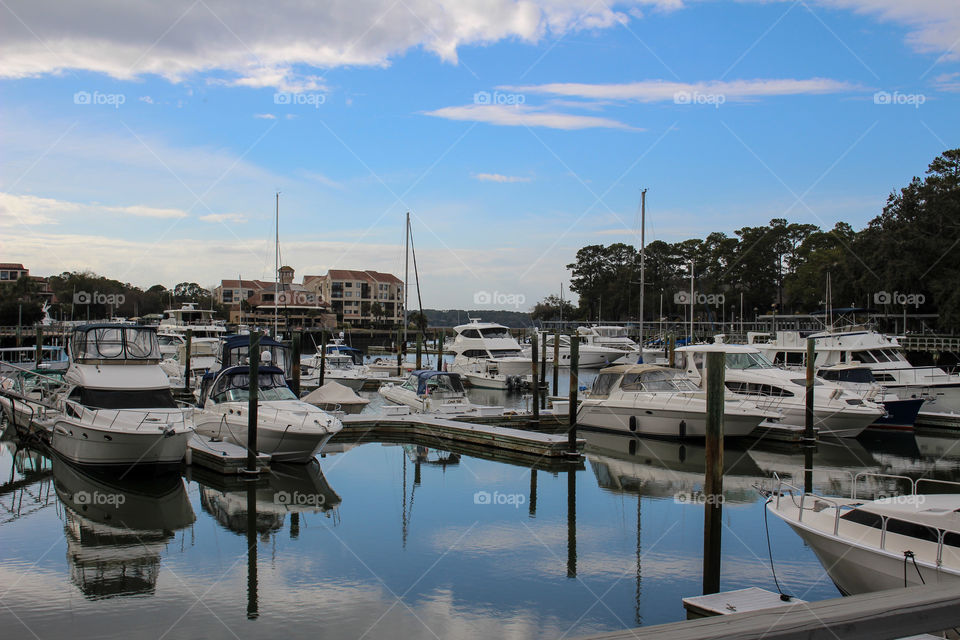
(756, 389)
(780, 357)
(505, 353)
(895, 356)
(411, 383)
(475, 353)
(115, 343)
(860, 376)
(470, 333)
(127, 398)
(866, 518)
(604, 383)
(884, 377)
(235, 387)
(880, 355)
(796, 358)
(912, 529)
(650, 381)
(803, 382)
(864, 356)
(444, 384)
(748, 361)
(495, 333)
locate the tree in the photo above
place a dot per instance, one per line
(552, 308)
(376, 310)
(418, 320)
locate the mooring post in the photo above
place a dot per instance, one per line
(252, 607)
(39, 346)
(713, 475)
(419, 350)
(556, 363)
(295, 339)
(671, 350)
(574, 387)
(253, 393)
(440, 350)
(532, 509)
(186, 360)
(534, 365)
(323, 355)
(399, 352)
(543, 374)
(808, 434)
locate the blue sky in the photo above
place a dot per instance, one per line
(514, 132)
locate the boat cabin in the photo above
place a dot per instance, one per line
(642, 378)
(430, 382)
(233, 385)
(235, 351)
(52, 357)
(114, 344)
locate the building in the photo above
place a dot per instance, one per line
(361, 298)
(256, 302)
(13, 271)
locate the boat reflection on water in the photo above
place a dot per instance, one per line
(286, 488)
(835, 463)
(626, 463)
(116, 530)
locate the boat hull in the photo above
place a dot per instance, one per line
(283, 445)
(661, 422)
(85, 445)
(901, 415)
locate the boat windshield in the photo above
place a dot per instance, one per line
(495, 333)
(115, 343)
(505, 353)
(444, 384)
(124, 398)
(748, 361)
(236, 387)
(603, 384)
(611, 332)
(656, 381)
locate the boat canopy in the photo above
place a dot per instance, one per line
(233, 385)
(108, 343)
(235, 352)
(640, 377)
(441, 380)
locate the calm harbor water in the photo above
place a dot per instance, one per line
(381, 540)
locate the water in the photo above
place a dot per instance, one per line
(386, 541)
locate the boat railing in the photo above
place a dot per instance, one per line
(80, 412)
(838, 508)
(936, 481)
(889, 476)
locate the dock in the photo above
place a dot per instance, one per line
(223, 457)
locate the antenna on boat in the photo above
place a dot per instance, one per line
(276, 270)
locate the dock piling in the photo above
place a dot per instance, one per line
(440, 350)
(671, 350)
(419, 350)
(536, 379)
(323, 356)
(295, 339)
(186, 361)
(713, 474)
(808, 434)
(556, 363)
(574, 387)
(39, 346)
(253, 394)
(543, 374)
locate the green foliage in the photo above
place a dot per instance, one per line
(550, 309)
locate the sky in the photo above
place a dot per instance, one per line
(147, 141)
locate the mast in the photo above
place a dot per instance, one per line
(406, 273)
(276, 270)
(561, 305)
(643, 254)
(693, 301)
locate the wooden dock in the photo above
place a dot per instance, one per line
(503, 438)
(222, 457)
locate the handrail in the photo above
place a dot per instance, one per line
(856, 478)
(950, 482)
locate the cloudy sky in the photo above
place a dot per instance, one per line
(145, 141)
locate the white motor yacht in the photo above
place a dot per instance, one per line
(288, 429)
(837, 411)
(901, 414)
(53, 358)
(589, 356)
(338, 367)
(488, 356)
(201, 322)
(203, 355)
(651, 400)
(873, 545)
(429, 391)
(882, 354)
(609, 340)
(116, 408)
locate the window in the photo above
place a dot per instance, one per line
(348, 284)
(880, 355)
(755, 389)
(4, 275)
(864, 356)
(506, 353)
(475, 353)
(133, 399)
(471, 333)
(603, 384)
(495, 332)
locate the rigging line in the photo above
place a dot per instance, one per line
(416, 278)
(783, 596)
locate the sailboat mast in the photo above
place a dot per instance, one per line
(276, 269)
(643, 255)
(693, 302)
(406, 274)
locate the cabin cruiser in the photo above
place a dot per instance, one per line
(589, 356)
(882, 354)
(900, 414)
(837, 411)
(288, 429)
(52, 359)
(610, 338)
(338, 366)
(488, 356)
(873, 545)
(176, 322)
(430, 391)
(116, 407)
(652, 400)
(203, 355)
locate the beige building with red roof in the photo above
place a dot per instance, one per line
(361, 298)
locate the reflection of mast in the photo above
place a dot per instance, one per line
(636, 606)
(406, 512)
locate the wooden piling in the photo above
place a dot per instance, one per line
(808, 434)
(186, 360)
(543, 374)
(574, 387)
(713, 474)
(295, 339)
(419, 350)
(399, 352)
(556, 363)
(253, 392)
(672, 350)
(440, 350)
(534, 366)
(39, 346)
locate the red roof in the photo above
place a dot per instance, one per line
(11, 265)
(369, 276)
(244, 284)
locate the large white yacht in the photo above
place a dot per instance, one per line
(610, 338)
(589, 356)
(116, 407)
(201, 322)
(837, 411)
(651, 400)
(430, 391)
(203, 355)
(487, 355)
(882, 354)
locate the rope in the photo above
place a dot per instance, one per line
(783, 596)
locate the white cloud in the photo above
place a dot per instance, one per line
(948, 81)
(497, 177)
(664, 91)
(525, 116)
(146, 99)
(223, 217)
(33, 210)
(265, 116)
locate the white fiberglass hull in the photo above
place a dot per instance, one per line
(353, 382)
(87, 445)
(614, 416)
(283, 442)
(839, 423)
(401, 396)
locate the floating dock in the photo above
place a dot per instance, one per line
(223, 457)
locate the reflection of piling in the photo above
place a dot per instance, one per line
(808, 434)
(713, 480)
(556, 363)
(253, 392)
(808, 450)
(296, 362)
(533, 493)
(574, 386)
(534, 365)
(294, 525)
(186, 363)
(571, 524)
(252, 607)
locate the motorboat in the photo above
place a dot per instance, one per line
(336, 366)
(901, 414)
(288, 429)
(589, 356)
(115, 407)
(488, 356)
(609, 339)
(333, 396)
(651, 400)
(874, 545)
(431, 391)
(882, 354)
(749, 374)
(53, 358)
(203, 355)
(200, 322)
